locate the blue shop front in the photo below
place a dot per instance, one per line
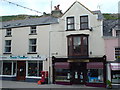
(25, 68)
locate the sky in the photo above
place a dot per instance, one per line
(106, 6)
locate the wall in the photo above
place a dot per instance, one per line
(110, 44)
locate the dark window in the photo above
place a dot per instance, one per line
(7, 68)
(8, 32)
(7, 46)
(117, 33)
(83, 22)
(32, 45)
(117, 53)
(78, 45)
(33, 30)
(70, 23)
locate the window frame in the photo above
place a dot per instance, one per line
(8, 32)
(84, 22)
(8, 46)
(117, 52)
(33, 30)
(117, 33)
(70, 47)
(71, 23)
(32, 45)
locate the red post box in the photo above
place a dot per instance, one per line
(44, 75)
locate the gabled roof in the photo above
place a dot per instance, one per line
(80, 4)
(108, 25)
(29, 22)
(98, 12)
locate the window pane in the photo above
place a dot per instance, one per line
(32, 68)
(84, 26)
(7, 49)
(70, 27)
(8, 42)
(84, 18)
(118, 33)
(62, 75)
(95, 75)
(7, 66)
(40, 68)
(14, 68)
(32, 46)
(115, 76)
(0, 67)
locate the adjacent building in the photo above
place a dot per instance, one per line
(111, 31)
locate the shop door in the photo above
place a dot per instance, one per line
(79, 72)
(21, 70)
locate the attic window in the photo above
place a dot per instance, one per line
(33, 30)
(117, 33)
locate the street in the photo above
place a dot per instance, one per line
(19, 85)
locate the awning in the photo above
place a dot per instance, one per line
(95, 65)
(62, 65)
(115, 66)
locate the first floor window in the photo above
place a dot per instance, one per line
(95, 75)
(34, 68)
(117, 53)
(7, 46)
(32, 45)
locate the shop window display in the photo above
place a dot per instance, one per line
(62, 75)
(7, 68)
(116, 76)
(95, 75)
(34, 68)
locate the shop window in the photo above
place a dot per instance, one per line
(7, 68)
(62, 75)
(95, 75)
(70, 23)
(115, 76)
(0, 67)
(14, 68)
(34, 68)
(78, 45)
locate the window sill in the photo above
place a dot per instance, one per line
(70, 30)
(32, 53)
(33, 34)
(8, 36)
(7, 53)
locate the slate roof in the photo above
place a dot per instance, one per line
(29, 22)
(100, 16)
(108, 25)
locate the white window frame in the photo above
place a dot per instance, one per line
(32, 45)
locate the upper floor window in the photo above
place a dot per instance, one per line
(70, 23)
(117, 53)
(83, 22)
(33, 30)
(32, 45)
(8, 32)
(78, 45)
(7, 46)
(117, 33)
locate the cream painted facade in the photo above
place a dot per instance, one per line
(52, 39)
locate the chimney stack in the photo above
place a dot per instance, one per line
(56, 12)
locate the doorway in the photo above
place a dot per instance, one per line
(21, 70)
(78, 73)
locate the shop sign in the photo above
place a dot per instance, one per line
(22, 57)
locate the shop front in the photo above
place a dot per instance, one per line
(25, 68)
(115, 73)
(86, 71)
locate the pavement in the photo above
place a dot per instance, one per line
(20, 85)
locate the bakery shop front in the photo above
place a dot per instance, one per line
(87, 71)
